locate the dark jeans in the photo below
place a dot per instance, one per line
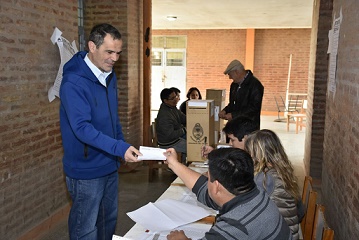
(93, 213)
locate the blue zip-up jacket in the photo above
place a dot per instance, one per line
(92, 136)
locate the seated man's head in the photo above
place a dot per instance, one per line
(177, 91)
(231, 169)
(169, 97)
(238, 129)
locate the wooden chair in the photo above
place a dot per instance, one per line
(298, 118)
(321, 231)
(152, 165)
(293, 104)
(290, 108)
(281, 108)
(309, 199)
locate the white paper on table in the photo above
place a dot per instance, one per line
(167, 214)
(201, 164)
(151, 153)
(189, 197)
(115, 237)
(193, 231)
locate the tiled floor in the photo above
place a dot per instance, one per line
(135, 190)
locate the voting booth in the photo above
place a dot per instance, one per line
(219, 98)
(200, 128)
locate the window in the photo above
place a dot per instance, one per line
(156, 58)
(174, 59)
(169, 42)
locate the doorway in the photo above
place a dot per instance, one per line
(168, 68)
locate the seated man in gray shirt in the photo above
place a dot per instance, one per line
(245, 212)
(171, 124)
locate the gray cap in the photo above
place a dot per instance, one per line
(233, 65)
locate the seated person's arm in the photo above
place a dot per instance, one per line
(192, 179)
(206, 150)
(188, 176)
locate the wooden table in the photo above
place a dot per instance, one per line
(176, 191)
(298, 120)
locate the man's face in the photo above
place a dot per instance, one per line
(235, 142)
(178, 96)
(172, 100)
(107, 54)
(235, 76)
(211, 187)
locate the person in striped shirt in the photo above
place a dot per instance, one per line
(245, 211)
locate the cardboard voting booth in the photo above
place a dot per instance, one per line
(219, 97)
(200, 127)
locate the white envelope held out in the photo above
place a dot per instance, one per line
(151, 153)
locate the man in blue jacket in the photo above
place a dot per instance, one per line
(92, 136)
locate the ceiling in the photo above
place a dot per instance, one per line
(232, 14)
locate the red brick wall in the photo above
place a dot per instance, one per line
(210, 51)
(273, 48)
(32, 181)
(340, 176)
(317, 88)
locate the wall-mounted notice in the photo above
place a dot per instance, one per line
(67, 50)
(333, 36)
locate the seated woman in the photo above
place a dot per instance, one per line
(275, 174)
(193, 93)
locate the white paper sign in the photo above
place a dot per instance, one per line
(333, 49)
(67, 50)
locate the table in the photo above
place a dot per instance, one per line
(298, 120)
(176, 191)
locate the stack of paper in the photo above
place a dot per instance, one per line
(167, 214)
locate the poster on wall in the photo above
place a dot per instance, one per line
(333, 36)
(67, 50)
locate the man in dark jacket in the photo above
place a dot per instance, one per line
(171, 124)
(246, 94)
(92, 135)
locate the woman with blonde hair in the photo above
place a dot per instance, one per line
(275, 174)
